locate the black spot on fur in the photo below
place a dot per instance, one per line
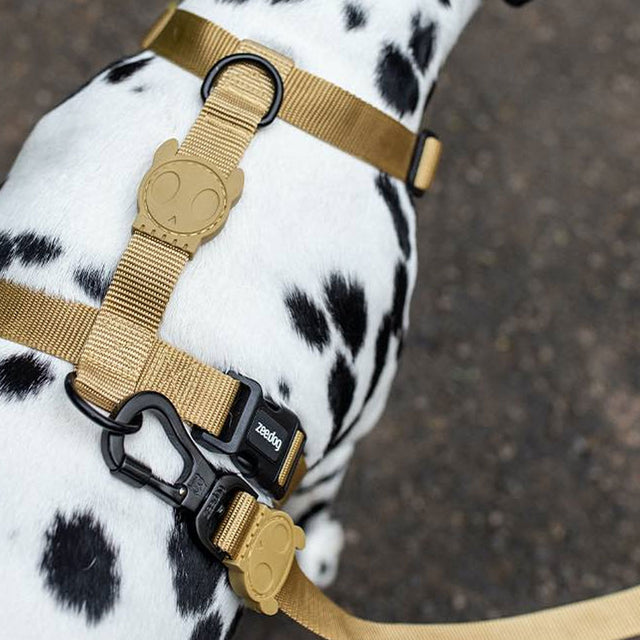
(23, 374)
(92, 281)
(84, 85)
(347, 305)
(316, 483)
(195, 573)
(234, 624)
(138, 89)
(209, 628)
(33, 249)
(446, 3)
(400, 286)
(6, 250)
(284, 389)
(123, 70)
(430, 95)
(346, 432)
(342, 386)
(308, 320)
(310, 513)
(355, 16)
(396, 80)
(284, 1)
(422, 43)
(79, 565)
(382, 347)
(390, 194)
(517, 3)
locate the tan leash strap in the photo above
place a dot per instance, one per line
(310, 103)
(246, 535)
(613, 617)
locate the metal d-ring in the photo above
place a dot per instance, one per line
(102, 420)
(251, 58)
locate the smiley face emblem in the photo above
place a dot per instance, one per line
(185, 200)
(262, 567)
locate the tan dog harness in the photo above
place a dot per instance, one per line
(123, 367)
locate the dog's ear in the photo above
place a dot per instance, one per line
(516, 3)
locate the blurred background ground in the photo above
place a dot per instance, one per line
(510, 474)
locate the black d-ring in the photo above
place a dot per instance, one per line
(104, 421)
(252, 58)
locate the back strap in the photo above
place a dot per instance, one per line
(310, 103)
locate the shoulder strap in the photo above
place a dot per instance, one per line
(310, 103)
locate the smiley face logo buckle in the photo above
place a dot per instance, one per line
(185, 200)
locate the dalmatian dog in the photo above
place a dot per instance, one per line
(306, 290)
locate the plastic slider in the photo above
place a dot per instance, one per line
(265, 440)
(425, 161)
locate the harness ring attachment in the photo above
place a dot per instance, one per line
(259, 61)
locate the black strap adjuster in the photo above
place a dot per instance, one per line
(265, 440)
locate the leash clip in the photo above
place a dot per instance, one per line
(197, 489)
(265, 440)
(257, 544)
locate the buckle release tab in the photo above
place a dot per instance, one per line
(265, 440)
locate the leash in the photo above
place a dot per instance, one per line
(122, 367)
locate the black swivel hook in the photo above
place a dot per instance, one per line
(197, 489)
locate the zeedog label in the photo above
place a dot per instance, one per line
(267, 436)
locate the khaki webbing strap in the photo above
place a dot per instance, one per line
(612, 617)
(120, 355)
(201, 394)
(229, 118)
(120, 341)
(36, 320)
(310, 103)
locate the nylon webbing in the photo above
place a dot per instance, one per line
(121, 339)
(310, 103)
(229, 118)
(201, 394)
(613, 617)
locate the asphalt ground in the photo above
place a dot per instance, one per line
(504, 475)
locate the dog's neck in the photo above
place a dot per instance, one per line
(388, 52)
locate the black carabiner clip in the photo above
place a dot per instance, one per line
(197, 489)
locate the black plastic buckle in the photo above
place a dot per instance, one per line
(422, 138)
(257, 436)
(197, 489)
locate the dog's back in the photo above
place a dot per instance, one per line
(306, 290)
